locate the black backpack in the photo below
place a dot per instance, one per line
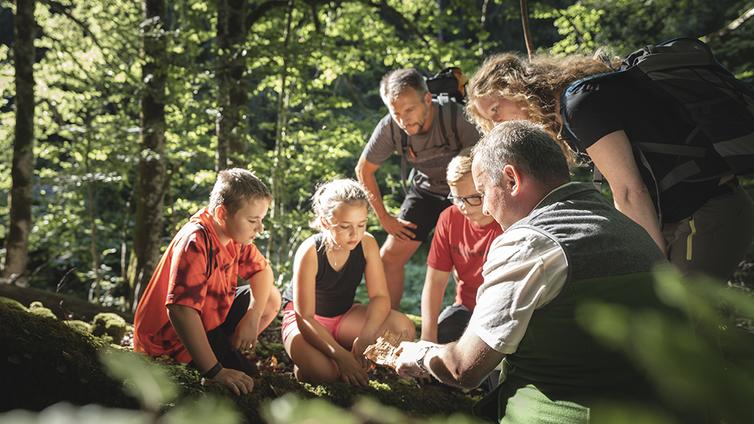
(718, 107)
(449, 83)
(448, 88)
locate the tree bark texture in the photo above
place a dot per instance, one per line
(22, 171)
(525, 27)
(152, 178)
(231, 86)
(278, 173)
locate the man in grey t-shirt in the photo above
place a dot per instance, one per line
(433, 135)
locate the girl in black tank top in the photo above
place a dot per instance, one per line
(324, 332)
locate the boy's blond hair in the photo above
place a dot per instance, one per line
(235, 186)
(459, 166)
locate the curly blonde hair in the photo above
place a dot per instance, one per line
(534, 85)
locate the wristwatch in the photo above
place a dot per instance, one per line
(420, 360)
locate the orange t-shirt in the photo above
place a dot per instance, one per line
(180, 278)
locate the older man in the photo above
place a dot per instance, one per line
(563, 244)
(428, 135)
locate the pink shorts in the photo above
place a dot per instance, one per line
(289, 325)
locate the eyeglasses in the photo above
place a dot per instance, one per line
(473, 200)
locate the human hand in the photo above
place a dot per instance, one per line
(236, 381)
(357, 349)
(409, 355)
(351, 371)
(245, 336)
(398, 228)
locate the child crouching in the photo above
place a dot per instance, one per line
(192, 308)
(324, 332)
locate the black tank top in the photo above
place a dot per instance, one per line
(334, 290)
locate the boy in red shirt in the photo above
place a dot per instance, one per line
(462, 238)
(192, 308)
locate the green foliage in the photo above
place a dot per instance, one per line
(312, 105)
(145, 381)
(699, 366)
(295, 410)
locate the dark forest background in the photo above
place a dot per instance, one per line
(121, 112)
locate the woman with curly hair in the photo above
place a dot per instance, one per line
(702, 226)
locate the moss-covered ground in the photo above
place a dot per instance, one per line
(44, 361)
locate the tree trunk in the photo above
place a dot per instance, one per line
(231, 87)
(22, 172)
(278, 174)
(525, 27)
(152, 179)
(91, 209)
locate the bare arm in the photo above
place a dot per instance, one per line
(464, 363)
(304, 272)
(188, 325)
(261, 285)
(365, 171)
(613, 156)
(435, 284)
(379, 300)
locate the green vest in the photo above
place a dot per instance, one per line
(558, 368)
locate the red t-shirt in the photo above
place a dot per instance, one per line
(180, 278)
(459, 243)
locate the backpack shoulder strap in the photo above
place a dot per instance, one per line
(210, 250)
(404, 153)
(440, 114)
(454, 125)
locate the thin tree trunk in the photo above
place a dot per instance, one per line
(91, 209)
(22, 171)
(280, 134)
(231, 87)
(482, 23)
(525, 26)
(152, 179)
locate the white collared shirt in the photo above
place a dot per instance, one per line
(525, 270)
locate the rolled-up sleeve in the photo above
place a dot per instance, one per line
(524, 271)
(383, 142)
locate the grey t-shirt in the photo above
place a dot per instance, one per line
(432, 151)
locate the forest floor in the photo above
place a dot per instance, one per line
(54, 358)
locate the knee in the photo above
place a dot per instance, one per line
(315, 375)
(274, 302)
(400, 324)
(395, 255)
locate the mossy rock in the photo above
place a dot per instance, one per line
(37, 308)
(44, 362)
(12, 303)
(110, 324)
(78, 325)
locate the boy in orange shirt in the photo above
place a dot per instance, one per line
(192, 308)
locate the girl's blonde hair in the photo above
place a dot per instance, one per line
(535, 85)
(330, 196)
